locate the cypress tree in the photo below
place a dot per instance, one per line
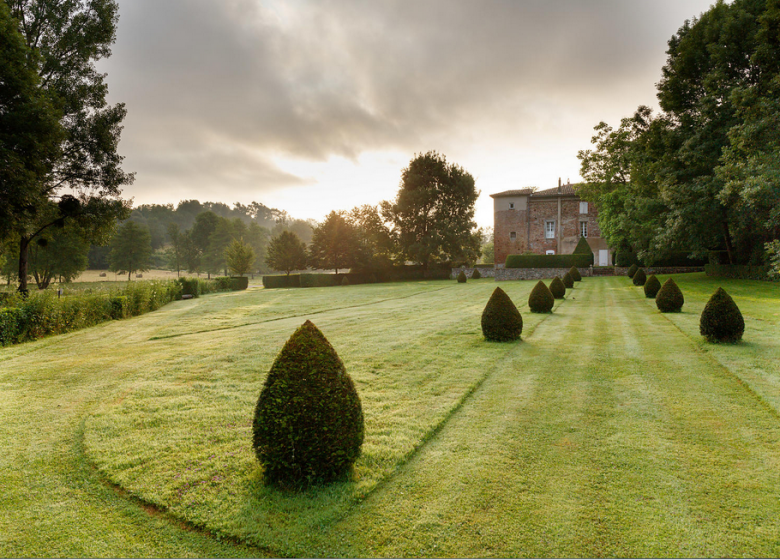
(557, 288)
(541, 300)
(669, 298)
(568, 281)
(575, 274)
(652, 285)
(640, 277)
(632, 270)
(501, 321)
(721, 320)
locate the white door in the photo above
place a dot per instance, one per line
(603, 257)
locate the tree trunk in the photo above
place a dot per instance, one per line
(128, 275)
(24, 245)
(727, 237)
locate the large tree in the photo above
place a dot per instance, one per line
(286, 252)
(239, 257)
(63, 255)
(64, 39)
(433, 213)
(334, 244)
(131, 249)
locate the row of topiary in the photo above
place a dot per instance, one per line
(720, 321)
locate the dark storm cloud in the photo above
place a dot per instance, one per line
(216, 89)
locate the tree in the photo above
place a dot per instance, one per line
(177, 245)
(70, 36)
(62, 255)
(218, 242)
(131, 249)
(433, 213)
(239, 257)
(286, 252)
(257, 237)
(376, 246)
(334, 244)
(199, 239)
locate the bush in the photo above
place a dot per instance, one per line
(568, 281)
(549, 261)
(345, 281)
(583, 248)
(501, 321)
(632, 270)
(189, 286)
(462, 277)
(575, 274)
(652, 285)
(541, 300)
(742, 272)
(308, 423)
(222, 283)
(282, 281)
(721, 320)
(118, 307)
(476, 275)
(557, 288)
(10, 325)
(669, 298)
(640, 277)
(238, 283)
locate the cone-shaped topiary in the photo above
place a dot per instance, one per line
(541, 299)
(652, 285)
(462, 277)
(669, 298)
(568, 281)
(345, 281)
(501, 321)
(632, 270)
(308, 425)
(640, 277)
(476, 274)
(557, 288)
(575, 274)
(583, 247)
(721, 320)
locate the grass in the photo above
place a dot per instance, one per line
(611, 430)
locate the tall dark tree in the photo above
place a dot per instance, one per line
(334, 244)
(70, 37)
(286, 252)
(433, 213)
(63, 255)
(131, 249)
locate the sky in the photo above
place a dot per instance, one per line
(313, 106)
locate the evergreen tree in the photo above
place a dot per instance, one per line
(131, 249)
(239, 257)
(286, 252)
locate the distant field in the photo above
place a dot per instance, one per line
(111, 277)
(610, 430)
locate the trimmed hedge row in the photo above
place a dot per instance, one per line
(549, 261)
(320, 280)
(740, 272)
(678, 258)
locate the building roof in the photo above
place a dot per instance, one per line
(566, 190)
(520, 192)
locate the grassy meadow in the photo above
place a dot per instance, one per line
(609, 430)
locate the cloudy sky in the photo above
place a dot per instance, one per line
(310, 106)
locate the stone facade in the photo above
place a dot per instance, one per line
(484, 271)
(536, 273)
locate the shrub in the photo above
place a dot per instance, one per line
(308, 423)
(548, 261)
(501, 321)
(568, 281)
(189, 286)
(583, 248)
(652, 285)
(10, 325)
(541, 299)
(721, 320)
(476, 275)
(640, 277)
(117, 307)
(282, 281)
(462, 277)
(557, 288)
(669, 298)
(345, 281)
(238, 283)
(632, 270)
(575, 274)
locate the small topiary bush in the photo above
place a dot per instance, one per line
(652, 285)
(640, 277)
(721, 320)
(632, 270)
(541, 300)
(568, 281)
(501, 321)
(345, 281)
(462, 277)
(476, 275)
(575, 274)
(557, 288)
(308, 424)
(669, 298)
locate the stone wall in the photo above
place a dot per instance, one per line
(535, 273)
(484, 271)
(623, 270)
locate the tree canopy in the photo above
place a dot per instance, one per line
(286, 252)
(131, 248)
(335, 243)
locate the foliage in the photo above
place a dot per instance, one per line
(130, 249)
(476, 275)
(651, 287)
(189, 286)
(433, 213)
(632, 270)
(557, 288)
(334, 243)
(583, 248)
(568, 281)
(462, 277)
(501, 321)
(308, 423)
(575, 274)
(345, 281)
(548, 261)
(239, 257)
(773, 255)
(488, 253)
(669, 298)
(286, 252)
(377, 247)
(721, 320)
(743, 272)
(286, 281)
(63, 255)
(541, 299)
(640, 277)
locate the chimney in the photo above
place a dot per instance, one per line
(559, 185)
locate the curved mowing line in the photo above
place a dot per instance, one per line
(294, 316)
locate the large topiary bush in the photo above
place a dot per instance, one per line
(575, 274)
(308, 425)
(639, 277)
(541, 300)
(721, 320)
(669, 298)
(501, 321)
(557, 288)
(476, 275)
(652, 285)
(462, 277)
(632, 270)
(568, 281)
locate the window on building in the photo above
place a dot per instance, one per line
(550, 252)
(511, 205)
(549, 229)
(584, 229)
(512, 235)
(583, 207)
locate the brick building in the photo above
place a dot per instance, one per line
(545, 222)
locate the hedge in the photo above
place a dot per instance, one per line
(282, 281)
(549, 261)
(741, 272)
(232, 283)
(677, 258)
(318, 280)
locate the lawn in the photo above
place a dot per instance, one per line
(610, 430)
